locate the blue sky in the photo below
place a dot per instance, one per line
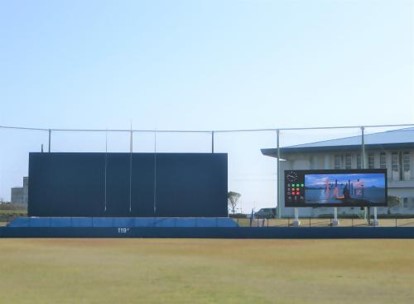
(203, 65)
(206, 64)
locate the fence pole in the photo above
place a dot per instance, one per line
(278, 186)
(212, 141)
(50, 139)
(363, 165)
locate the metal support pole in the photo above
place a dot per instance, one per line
(212, 141)
(375, 222)
(131, 141)
(155, 173)
(131, 150)
(296, 221)
(363, 165)
(335, 221)
(50, 139)
(278, 186)
(106, 170)
(363, 148)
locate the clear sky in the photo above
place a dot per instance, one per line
(205, 64)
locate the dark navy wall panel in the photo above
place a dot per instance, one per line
(188, 185)
(124, 184)
(118, 184)
(142, 181)
(66, 184)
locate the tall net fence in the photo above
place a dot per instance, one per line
(257, 160)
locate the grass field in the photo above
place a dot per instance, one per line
(206, 271)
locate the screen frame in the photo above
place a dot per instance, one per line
(297, 177)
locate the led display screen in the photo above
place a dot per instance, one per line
(336, 188)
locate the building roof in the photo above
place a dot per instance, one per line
(401, 138)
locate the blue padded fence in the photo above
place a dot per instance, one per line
(126, 222)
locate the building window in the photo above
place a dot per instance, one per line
(348, 161)
(371, 161)
(383, 160)
(405, 202)
(337, 162)
(311, 162)
(406, 166)
(358, 160)
(395, 165)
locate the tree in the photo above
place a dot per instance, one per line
(232, 199)
(392, 201)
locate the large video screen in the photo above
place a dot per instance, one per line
(336, 188)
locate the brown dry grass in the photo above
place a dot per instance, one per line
(206, 271)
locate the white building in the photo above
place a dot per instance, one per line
(19, 195)
(392, 150)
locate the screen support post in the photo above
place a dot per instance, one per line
(375, 222)
(335, 221)
(296, 221)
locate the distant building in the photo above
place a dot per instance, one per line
(392, 150)
(19, 195)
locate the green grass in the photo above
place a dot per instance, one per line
(9, 212)
(206, 271)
